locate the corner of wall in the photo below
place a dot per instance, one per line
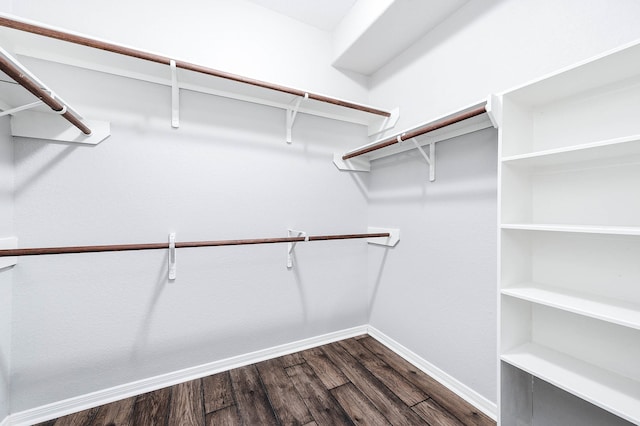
(6, 274)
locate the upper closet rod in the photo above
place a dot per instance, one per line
(111, 47)
(20, 76)
(420, 131)
(156, 246)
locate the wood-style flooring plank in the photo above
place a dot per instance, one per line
(118, 413)
(292, 359)
(451, 402)
(76, 419)
(218, 392)
(251, 398)
(324, 408)
(152, 408)
(435, 415)
(285, 400)
(382, 398)
(187, 404)
(326, 371)
(227, 416)
(404, 389)
(359, 409)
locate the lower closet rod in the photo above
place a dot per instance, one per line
(156, 246)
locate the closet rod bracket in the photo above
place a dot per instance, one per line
(172, 256)
(430, 158)
(291, 246)
(175, 96)
(390, 241)
(21, 108)
(8, 244)
(291, 114)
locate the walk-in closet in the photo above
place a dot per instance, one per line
(358, 212)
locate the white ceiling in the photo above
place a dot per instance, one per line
(367, 34)
(322, 14)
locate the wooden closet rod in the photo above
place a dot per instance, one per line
(111, 47)
(156, 246)
(420, 131)
(19, 77)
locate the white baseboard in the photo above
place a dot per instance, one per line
(480, 402)
(94, 399)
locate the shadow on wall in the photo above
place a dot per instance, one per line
(32, 149)
(454, 24)
(143, 333)
(302, 294)
(378, 279)
(4, 372)
(466, 168)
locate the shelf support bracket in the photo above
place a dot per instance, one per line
(175, 96)
(390, 241)
(12, 111)
(8, 244)
(292, 246)
(172, 256)
(291, 115)
(431, 158)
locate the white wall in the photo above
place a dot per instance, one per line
(231, 35)
(435, 291)
(436, 294)
(6, 274)
(90, 321)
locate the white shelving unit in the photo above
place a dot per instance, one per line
(569, 286)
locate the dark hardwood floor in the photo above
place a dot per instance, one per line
(352, 382)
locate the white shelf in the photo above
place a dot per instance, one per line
(606, 309)
(584, 229)
(32, 46)
(618, 148)
(607, 390)
(609, 68)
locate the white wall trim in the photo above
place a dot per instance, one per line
(463, 391)
(94, 399)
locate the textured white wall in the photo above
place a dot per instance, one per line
(90, 321)
(231, 35)
(6, 274)
(436, 293)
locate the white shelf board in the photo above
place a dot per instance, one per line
(607, 390)
(28, 45)
(586, 229)
(606, 309)
(619, 148)
(608, 68)
(473, 124)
